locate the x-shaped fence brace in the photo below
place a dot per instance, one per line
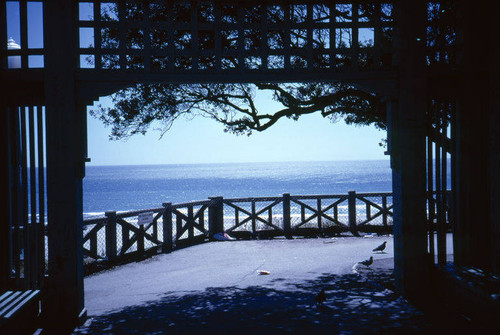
(254, 215)
(319, 212)
(190, 221)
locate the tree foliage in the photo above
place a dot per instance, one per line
(136, 108)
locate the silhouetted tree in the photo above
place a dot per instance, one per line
(136, 108)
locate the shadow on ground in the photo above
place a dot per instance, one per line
(356, 304)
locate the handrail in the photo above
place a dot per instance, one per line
(126, 236)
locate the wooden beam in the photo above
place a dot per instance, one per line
(64, 304)
(407, 120)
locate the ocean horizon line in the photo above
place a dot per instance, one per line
(241, 163)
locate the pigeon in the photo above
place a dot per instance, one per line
(368, 262)
(380, 247)
(321, 297)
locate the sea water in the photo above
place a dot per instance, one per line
(123, 188)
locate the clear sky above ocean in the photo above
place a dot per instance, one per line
(202, 140)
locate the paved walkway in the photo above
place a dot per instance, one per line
(217, 288)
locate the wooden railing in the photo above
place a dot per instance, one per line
(123, 237)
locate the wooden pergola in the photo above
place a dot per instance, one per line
(434, 62)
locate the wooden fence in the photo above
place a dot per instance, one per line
(123, 237)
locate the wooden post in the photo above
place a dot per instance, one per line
(494, 130)
(140, 242)
(167, 227)
(64, 304)
(111, 236)
(407, 122)
(318, 206)
(287, 224)
(5, 234)
(216, 216)
(477, 232)
(254, 226)
(190, 223)
(352, 213)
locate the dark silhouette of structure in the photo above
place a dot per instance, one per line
(433, 61)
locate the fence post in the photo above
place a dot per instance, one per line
(111, 235)
(216, 216)
(352, 212)
(167, 227)
(140, 242)
(287, 225)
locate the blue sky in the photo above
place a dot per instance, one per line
(202, 140)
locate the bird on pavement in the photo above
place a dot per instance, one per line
(368, 262)
(321, 297)
(380, 247)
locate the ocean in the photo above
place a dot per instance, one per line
(134, 187)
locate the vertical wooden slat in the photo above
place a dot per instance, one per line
(15, 188)
(155, 229)
(3, 37)
(336, 212)
(97, 35)
(41, 193)
(355, 36)
(254, 228)
(309, 32)
(140, 242)
(237, 217)
(33, 226)
(195, 47)
(287, 224)
(122, 26)
(439, 190)
(332, 25)
(190, 223)
(318, 204)
(111, 236)
(352, 212)
(302, 214)
(93, 243)
(125, 239)
(25, 196)
(217, 36)
(167, 227)
(286, 33)
(377, 36)
(430, 189)
(264, 51)
(270, 215)
(202, 219)
(178, 221)
(24, 33)
(441, 155)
